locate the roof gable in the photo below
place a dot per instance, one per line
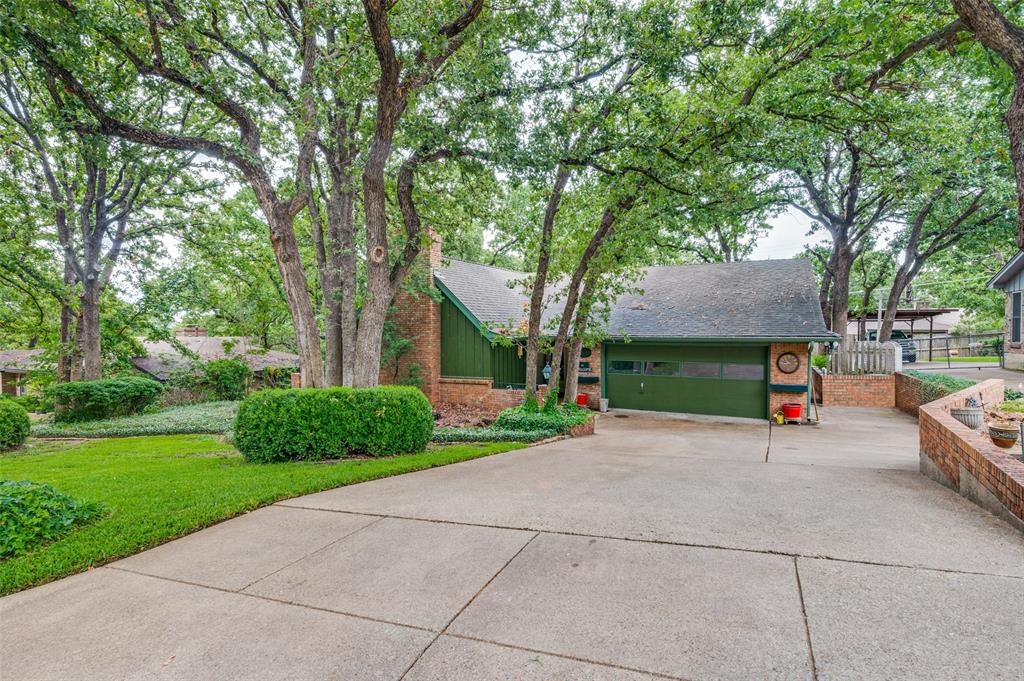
(1008, 272)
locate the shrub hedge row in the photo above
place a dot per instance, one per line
(329, 423)
(106, 398)
(14, 424)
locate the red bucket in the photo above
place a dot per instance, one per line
(791, 411)
(582, 400)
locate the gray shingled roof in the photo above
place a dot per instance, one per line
(163, 358)
(771, 299)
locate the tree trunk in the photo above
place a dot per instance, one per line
(89, 334)
(307, 334)
(904, 276)
(572, 368)
(341, 255)
(840, 298)
(540, 282)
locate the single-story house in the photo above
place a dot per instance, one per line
(163, 358)
(1010, 280)
(730, 339)
(15, 366)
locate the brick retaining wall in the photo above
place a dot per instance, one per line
(966, 460)
(479, 393)
(912, 392)
(856, 390)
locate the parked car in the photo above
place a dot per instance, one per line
(909, 349)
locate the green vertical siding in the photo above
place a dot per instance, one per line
(509, 368)
(464, 350)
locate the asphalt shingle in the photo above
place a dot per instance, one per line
(772, 299)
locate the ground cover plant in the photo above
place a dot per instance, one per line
(490, 434)
(529, 417)
(32, 514)
(205, 417)
(330, 423)
(14, 424)
(106, 398)
(156, 488)
(940, 385)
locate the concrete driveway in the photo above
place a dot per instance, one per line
(659, 548)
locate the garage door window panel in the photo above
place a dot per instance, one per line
(661, 368)
(625, 367)
(743, 372)
(701, 370)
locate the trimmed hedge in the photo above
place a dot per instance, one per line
(330, 423)
(14, 424)
(558, 419)
(106, 398)
(32, 514)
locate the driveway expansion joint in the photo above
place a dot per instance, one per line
(663, 542)
(807, 624)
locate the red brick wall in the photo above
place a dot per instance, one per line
(798, 377)
(912, 392)
(950, 447)
(858, 390)
(479, 393)
(592, 390)
(417, 317)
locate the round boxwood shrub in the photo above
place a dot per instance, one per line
(330, 423)
(14, 424)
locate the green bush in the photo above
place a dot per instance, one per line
(107, 398)
(448, 435)
(528, 418)
(204, 417)
(32, 514)
(819, 361)
(329, 423)
(1011, 395)
(227, 379)
(940, 385)
(14, 424)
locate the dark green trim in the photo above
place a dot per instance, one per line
(725, 340)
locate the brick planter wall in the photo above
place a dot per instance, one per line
(966, 460)
(479, 393)
(912, 392)
(856, 390)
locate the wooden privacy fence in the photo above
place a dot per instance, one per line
(866, 357)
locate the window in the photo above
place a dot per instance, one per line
(661, 368)
(702, 370)
(621, 367)
(1015, 324)
(743, 372)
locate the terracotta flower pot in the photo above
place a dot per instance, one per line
(1003, 435)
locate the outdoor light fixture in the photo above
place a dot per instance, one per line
(547, 372)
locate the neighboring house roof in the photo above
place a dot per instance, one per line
(20, 361)
(765, 299)
(163, 358)
(1010, 270)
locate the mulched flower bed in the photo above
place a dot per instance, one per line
(460, 416)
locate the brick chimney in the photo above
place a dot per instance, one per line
(418, 318)
(435, 248)
(191, 331)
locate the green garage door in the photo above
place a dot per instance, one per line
(727, 380)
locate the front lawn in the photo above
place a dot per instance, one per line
(207, 417)
(972, 360)
(156, 488)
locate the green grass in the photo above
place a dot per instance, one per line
(161, 487)
(960, 358)
(208, 417)
(1012, 407)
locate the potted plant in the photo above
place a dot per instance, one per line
(1004, 434)
(971, 414)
